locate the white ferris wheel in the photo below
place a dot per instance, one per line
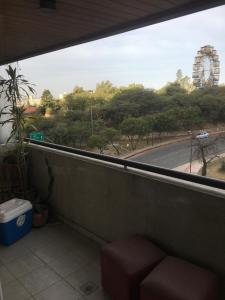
(206, 68)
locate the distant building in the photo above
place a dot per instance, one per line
(30, 110)
(34, 101)
(31, 101)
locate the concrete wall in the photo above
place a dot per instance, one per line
(185, 219)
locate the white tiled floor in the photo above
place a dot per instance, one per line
(51, 263)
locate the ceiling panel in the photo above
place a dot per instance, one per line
(26, 30)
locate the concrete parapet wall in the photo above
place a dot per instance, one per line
(111, 202)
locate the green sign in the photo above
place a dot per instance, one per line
(36, 135)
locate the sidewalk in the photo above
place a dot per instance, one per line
(195, 167)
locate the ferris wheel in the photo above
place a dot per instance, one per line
(206, 68)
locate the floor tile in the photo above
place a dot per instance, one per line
(65, 264)
(23, 265)
(88, 288)
(49, 261)
(98, 295)
(39, 279)
(15, 291)
(89, 273)
(49, 252)
(13, 252)
(59, 291)
(5, 275)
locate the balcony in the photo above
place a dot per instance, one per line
(55, 262)
(95, 201)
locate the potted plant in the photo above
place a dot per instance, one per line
(41, 204)
(14, 160)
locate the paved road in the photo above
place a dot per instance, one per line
(171, 156)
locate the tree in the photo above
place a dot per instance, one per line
(134, 129)
(134, 101)
(164, 122)
(187, 118)
(59, 134)
(149, 119)
(79, 132)
(47, 99)
(78, 90)
(212, 108)
(74, 115)
(206, 151)
(112, 136)
(105, 89)
(98, 141)
(184, 81)
(76, 102)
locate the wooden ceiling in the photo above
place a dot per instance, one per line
(26, 30)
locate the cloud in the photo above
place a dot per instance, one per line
(150, 55)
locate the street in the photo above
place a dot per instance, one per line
(171, 156)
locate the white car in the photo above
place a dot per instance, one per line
(202, 135)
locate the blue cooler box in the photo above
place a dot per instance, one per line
(15, 220)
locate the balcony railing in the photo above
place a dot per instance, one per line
(109, 198)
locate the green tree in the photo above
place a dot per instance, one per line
(173, 88)
(184, 81)
(75, 115)
(79, 133)
(149, 119)
(164, 122)
(105, 89)
(98, 141)
(76, 102)
(59, 134)
(206, 150)
(47, 99)
(134, 129)
(112, 136)
(78, 90)
(134, 101)
(187, 118)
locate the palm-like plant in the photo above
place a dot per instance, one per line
(15, 88)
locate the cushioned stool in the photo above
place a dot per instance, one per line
(176, 279)
(125, 263)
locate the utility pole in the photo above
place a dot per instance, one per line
(92, 127)
(191, 146)
(92, 124)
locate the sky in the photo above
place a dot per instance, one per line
(150, 55)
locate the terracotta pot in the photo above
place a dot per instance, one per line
(40, 219)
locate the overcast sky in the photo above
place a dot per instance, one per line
(150, 55)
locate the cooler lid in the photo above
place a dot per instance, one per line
(13, 208)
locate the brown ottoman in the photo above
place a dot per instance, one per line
(176, 279)
(125, 263)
